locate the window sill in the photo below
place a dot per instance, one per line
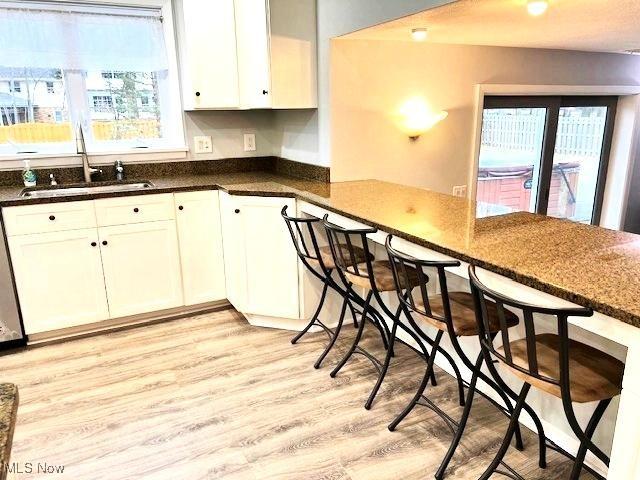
(147, 155)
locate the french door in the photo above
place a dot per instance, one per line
(546, 154)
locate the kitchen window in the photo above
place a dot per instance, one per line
(88, 65)
(546, 155)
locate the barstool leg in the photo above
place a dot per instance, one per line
(353, 315)
(588, 432)
(510, 431)
(315, 315)
(425, 380)
(363, 321)
(463, 421)
(542, 439)
(387, 360)
(384, 332)
(336, 332)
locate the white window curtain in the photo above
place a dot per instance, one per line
(47, 35)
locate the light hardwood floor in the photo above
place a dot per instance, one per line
(211, 397)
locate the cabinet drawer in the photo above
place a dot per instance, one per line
(49, 217)
(138, 209)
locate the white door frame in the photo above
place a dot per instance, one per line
(483, 90)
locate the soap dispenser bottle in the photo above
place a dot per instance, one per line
(28, 175)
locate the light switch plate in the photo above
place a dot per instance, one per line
(460, 191)
(203, 144)
(249, 142)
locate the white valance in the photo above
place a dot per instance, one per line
(110, 38)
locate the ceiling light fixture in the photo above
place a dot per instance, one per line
(537, 7)
(419, 34)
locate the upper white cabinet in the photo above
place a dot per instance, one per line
(200, 239)
(207, 50)
(247, 54)
(261, 265)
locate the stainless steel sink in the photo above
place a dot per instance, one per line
(85, 189)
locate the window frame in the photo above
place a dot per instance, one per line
(174, 122)
(553, 104)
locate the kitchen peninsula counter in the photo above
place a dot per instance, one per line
(590, 266)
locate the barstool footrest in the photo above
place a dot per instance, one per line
(450, 422)
(510, 472)
(376, 363)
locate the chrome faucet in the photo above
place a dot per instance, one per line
(87, 169)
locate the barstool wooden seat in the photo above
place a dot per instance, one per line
(463, 314)
(324, 253)
(594, 375)
(553, 363)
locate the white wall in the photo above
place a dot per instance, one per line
(370, 80)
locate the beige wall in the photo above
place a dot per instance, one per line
(370, 79)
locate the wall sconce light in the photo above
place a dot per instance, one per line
(537, 7)
(416, 117)
(419, 34)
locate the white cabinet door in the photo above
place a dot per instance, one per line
(200, 238)
(141, 267)
(59, 279)
(235, 265)
(252, 38)
(292, 47)
(271, 261)
(208, 53)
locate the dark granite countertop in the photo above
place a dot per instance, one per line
(8, 414)
(590, 266)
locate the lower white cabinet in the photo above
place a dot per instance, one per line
(141, 267)
(82, 262)
(200, 238)
(261, 265)
(59, 279)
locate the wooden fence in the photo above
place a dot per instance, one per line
(62, 132)
(579, 136)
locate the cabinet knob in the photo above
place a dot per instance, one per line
(136, 210)
(52, 217)
(180, 207)
(94, 244)
(265, 92)
(197, 94)
(104, 242)
(237, 210)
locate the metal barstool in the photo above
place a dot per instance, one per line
(374, 277)
(343, 243)
(452, 314)
(553, 363)
(319, 262)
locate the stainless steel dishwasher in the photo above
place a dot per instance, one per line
(11, 332)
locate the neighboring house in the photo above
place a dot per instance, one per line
(35, 95)
(38, 95)
(111, 97)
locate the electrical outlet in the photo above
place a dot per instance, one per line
(460, 191)
(249, 142)
(203, 144)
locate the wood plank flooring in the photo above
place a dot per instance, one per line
(210, 397)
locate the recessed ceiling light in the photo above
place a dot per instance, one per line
(419, 34)
(537, 7)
